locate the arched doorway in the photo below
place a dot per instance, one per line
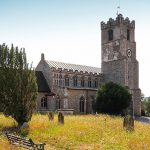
(82, 104)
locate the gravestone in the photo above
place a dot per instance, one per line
(60, 118)
(24, 129)
(128, 123)
(51, 116)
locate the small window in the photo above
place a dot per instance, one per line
(44, 102)
(128, 34)
(110, 34)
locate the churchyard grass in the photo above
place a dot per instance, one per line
(82, 132)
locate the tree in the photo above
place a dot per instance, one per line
(112, 98)
(18, 87)
(143, 109)
(146, 106)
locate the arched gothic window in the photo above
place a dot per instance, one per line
(110, 34)
(60, 76)
(82, 103)
(44, 102)
(82, 82)
(66, 80)
(59, 104)
(75, 81)
(58, 101)
(89, 82)
(96, 83)
(60, 79)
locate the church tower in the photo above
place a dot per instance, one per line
(118, 52)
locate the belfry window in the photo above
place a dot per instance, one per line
(44, 102)
(110, 34)
(128, 34)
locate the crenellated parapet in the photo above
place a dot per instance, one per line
(75, 72)
(118, 21)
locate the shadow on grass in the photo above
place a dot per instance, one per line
(11, 129)
(15, 130)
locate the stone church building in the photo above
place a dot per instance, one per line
(72, 88)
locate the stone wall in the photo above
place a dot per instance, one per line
(51, 103)
(114, 71)
(74, 96)
(55, 78)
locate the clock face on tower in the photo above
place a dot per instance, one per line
(129, 53)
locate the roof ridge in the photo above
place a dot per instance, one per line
(73, 67)
(71, 64)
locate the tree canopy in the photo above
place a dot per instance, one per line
(146, 106)
(18, 87)
(112, 98)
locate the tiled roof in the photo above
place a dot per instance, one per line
(41, 81)
(73, 67)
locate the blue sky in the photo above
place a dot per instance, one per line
(69, 30)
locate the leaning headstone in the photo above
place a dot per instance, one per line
(128, 123)
(60, 118)
(51, 116)
(24, 129)
(25, 125)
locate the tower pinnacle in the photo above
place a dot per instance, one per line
(118, 7)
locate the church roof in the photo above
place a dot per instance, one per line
(73, 67)
(41, 82)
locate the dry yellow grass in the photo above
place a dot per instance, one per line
(83, 132)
